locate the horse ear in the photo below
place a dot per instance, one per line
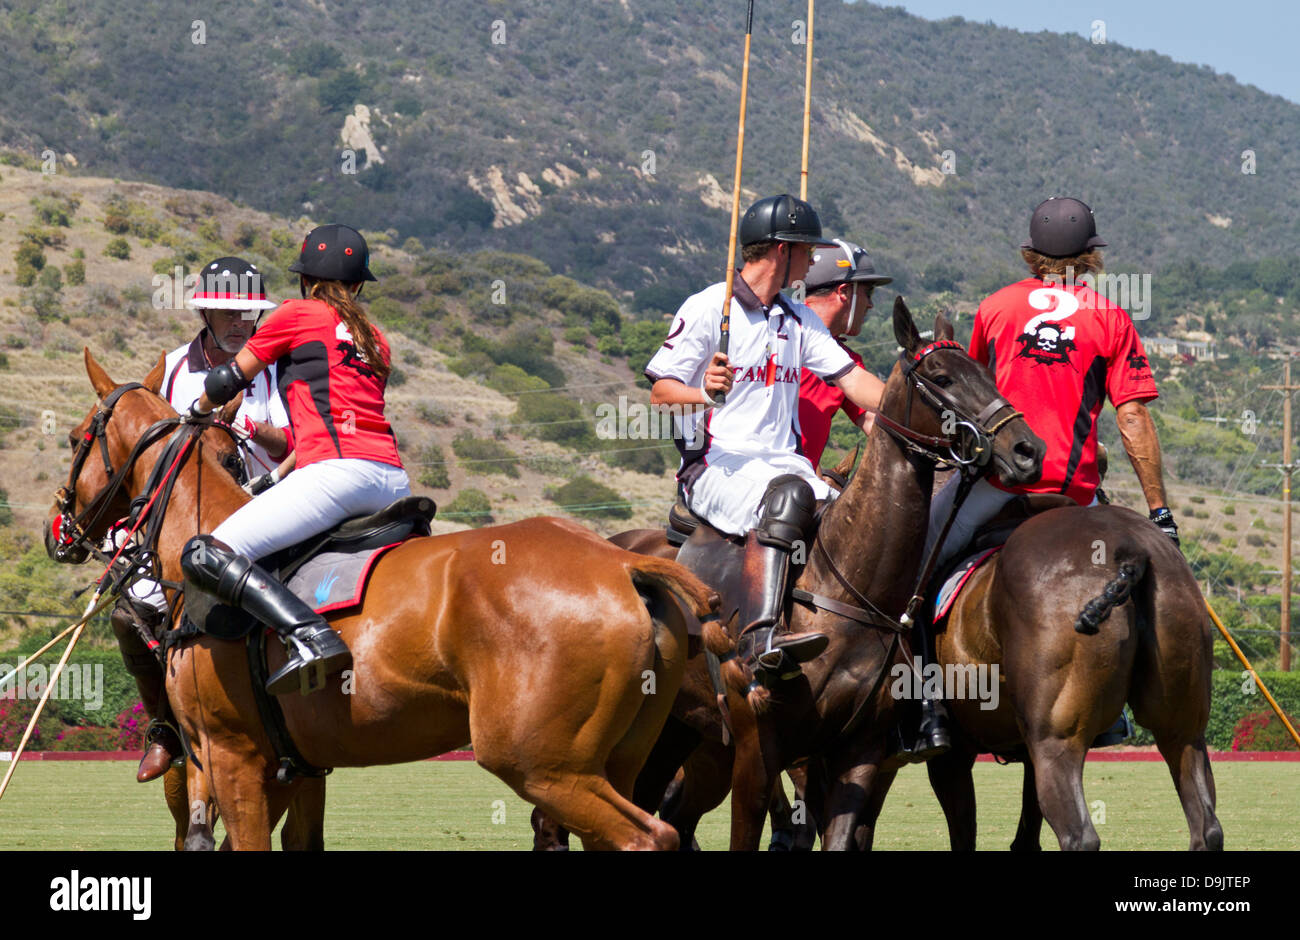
(98, 377)
(227, 415)
(904, 327)
(153, 381)
(942, 328)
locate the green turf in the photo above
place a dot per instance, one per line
(451, 805)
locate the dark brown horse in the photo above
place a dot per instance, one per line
(840, 715)
(557, 654)
(1083, 610)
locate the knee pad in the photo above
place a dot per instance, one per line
(787, 514)
(212, 567)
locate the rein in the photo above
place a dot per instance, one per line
(971, 456)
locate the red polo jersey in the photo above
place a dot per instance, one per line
(818, 402)
(335, 400)
(1057, 353)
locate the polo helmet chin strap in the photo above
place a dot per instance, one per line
(853, 304)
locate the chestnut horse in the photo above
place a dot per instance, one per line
(1084, 609)
(839, 714)
(557, 654)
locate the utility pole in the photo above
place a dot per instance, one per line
(1287, 468)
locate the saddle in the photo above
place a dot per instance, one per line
(405, 518)
(400, 520)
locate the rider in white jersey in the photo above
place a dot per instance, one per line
(229, 298)
(741, 470)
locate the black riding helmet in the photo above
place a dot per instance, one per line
(334, 253)
(781, 219)
(1062, 227)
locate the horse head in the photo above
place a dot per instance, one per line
(962, 409)
(102, 446)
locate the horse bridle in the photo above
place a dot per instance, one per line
(971, 454)
(970, 451)
(69, 531)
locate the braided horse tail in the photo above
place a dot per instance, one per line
(1116, 592)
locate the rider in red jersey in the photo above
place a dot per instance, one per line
(333, 366)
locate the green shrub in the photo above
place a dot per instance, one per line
(75, 272)
(30, 254)
(51, 278)
(586, 496)
(434, 473)
(485, 455)
(1232, 699)
(470, 507)
(116, 224)
(56, 210)
(552, 417)
(638, 457)
(118, 248)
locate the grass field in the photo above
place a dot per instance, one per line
(451, 805)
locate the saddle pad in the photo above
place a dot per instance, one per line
(335, 580)
(957, 580)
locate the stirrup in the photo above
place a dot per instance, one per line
(304, 661)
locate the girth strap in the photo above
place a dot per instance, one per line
(292, 763)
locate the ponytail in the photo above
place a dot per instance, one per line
(337, 295)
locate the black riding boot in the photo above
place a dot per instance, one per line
(787, 517)
(933, 737)
(315, 650)
(162, 746)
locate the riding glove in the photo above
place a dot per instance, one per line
(1163, 518)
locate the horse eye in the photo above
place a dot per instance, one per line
(942, 381)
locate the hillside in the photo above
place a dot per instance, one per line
(500, 366)
(598, 137)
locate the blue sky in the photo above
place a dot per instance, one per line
(1254, 41)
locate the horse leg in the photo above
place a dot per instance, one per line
(701, 786)
(178, 802)
(1030, 829)
(304, 827)
(781, 816)
(1170, 694)
(200, 810)
(1058, 779)
(864, 835)
(240, 786)
(756, 771)
(857, 792)
(954, 785)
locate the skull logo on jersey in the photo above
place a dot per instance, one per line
(1047, 343)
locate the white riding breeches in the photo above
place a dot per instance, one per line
(729, 493)
(982, 503)
(310, 500)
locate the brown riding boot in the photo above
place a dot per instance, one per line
(162, 746)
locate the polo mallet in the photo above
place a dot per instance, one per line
(724, 338)
(807, 104)
(92, 608)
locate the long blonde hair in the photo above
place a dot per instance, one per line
(340, 297)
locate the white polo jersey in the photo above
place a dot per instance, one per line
(755, 435)
(187, 367)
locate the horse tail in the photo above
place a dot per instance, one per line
(1117, 591)
(663, 574)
